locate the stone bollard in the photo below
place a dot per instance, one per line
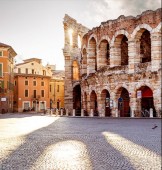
(132, 113)
(61, 112)
(82, 112)
(116, 114)
(151, 112)
(67, 112)
(56, 112)
(73, 112)
(91, 113)
(102, 114)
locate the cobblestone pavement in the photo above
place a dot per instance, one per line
(35, 142)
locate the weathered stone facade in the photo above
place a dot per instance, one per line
(119, 61)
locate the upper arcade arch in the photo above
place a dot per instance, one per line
(75, 70)
(158, 29)
(117, 33)
(103, 56)
(91, 58)
(84, 61)
(136, 34)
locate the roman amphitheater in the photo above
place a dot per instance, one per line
(116, 69)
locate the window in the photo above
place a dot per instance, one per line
(26, 70)
(34, 83)
(42, 83)
(32, 63)
(1, 53)
(44, 72)
(26, 93)
(58, 88)
(34, 93)
(1, 70)
(42, 93)
(19, 70)
(26, 83)
(32, 71)
(15, 83)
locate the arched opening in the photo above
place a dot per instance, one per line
(123, 102)
(147, 101)
(124, 51)
(145, 46)
(93, 104)
(121, 46)
(85, 104)
(92, 61)
(105, 101)
(75, 70)
(84, 61)
(104, 54)
(77, 100)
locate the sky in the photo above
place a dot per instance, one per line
(34, 28)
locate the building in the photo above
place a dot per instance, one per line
(7, 55)
(57, 88)
(31, 88)
(117, 70)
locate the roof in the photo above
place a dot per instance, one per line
(4, 45)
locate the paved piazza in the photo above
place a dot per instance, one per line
(35, 142)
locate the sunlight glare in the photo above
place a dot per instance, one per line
(70, 31)
(69, 155)
(136, 154)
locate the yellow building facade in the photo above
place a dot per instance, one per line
(57, 89)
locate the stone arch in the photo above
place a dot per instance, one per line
(139, 27)
(91, 58)
(75, 70)
(144, 84)
(142, 38)
(105, 102)
(85, 103)
(77, 99)
(103, 56)
(84, 61)
(120, 32)
(158, 28)
(123, 98)
(93, 102)
(146, 101)
(92, 36)
(119, 43)
(75, 84)
(105, 37)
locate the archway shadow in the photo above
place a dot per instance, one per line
(102, 154)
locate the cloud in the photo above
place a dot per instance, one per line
(98, 11)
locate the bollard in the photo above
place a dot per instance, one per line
(67, 111)
(116, 112)
(73, 112)
(102, 114)
(56, 112)
(132, 113)
(82, 112)
(61, 112)
(151, 112)
(91, 113)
